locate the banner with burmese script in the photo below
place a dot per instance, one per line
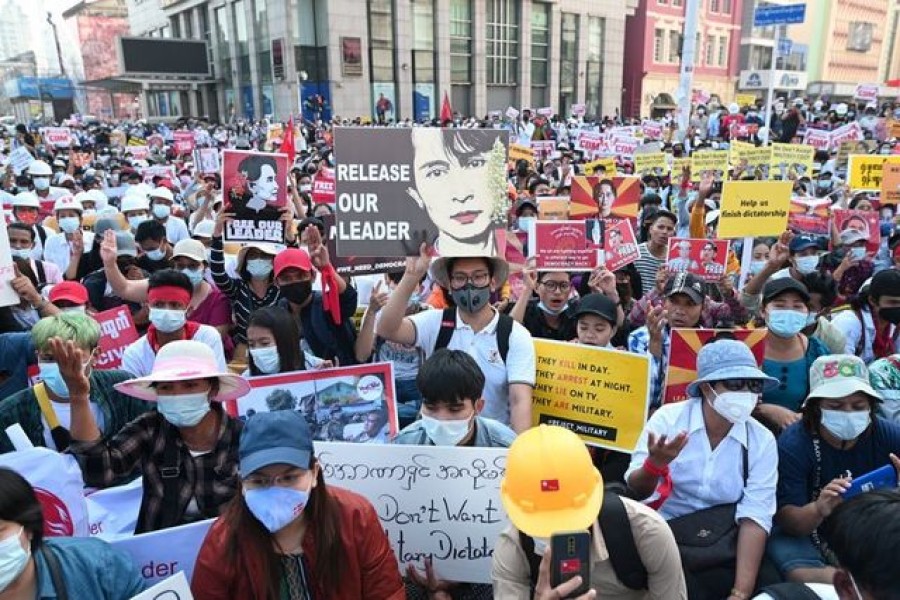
(686, 343)
(397, 188)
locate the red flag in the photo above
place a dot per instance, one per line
(446, 111)
(287, 142)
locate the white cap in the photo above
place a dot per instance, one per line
(67, 202)
(82, 197)
(99, 198)
(818, 104)
(733, 108)
(28, 199)
(841, 109)
(141, 188)
(204, 229)
(39, 168)
(132, 201)
(162, 192)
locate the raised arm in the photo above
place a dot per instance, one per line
(126, 289)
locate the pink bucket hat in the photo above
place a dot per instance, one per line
(181, 360)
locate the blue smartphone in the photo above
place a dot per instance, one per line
(571, 556)
(885, 477)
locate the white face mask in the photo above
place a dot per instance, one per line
(266, 359)
(136, 220)
(69, 224)
(167, 320)
(161, 211)
(13, 559)
(846, 426)
(185, 410)
(445, 433)
(23, 253)
(806, 264)
(734, 406)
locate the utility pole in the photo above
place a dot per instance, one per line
(688, 55)
(62, 68)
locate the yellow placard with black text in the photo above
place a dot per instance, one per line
(865, 170)
(754, 208)
(598, 393)
(608, 165)
(518, 152)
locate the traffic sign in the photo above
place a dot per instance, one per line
(790, 14)
(785, 46)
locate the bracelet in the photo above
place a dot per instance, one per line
(654, 470)
(739, 594)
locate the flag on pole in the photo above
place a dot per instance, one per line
(446, 111)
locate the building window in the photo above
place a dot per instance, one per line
(263, 44)
(710, 50)
(540, 51)
(658, 45)
(723, 50)
(674, 46)
(423, 60)
(176, 26)
(223, 39)
(502, 42)
(188, 24)
(461, 41)
(568, 62)
(311, 40)
(207, 36)
(594, 68)
(714, 6)
(381, 39)
(677, 2)
(662, 2)
(726, 7)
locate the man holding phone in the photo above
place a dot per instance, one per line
(556, 503)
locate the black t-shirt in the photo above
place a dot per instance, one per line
(535, 321)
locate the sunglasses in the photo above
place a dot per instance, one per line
(739, 385)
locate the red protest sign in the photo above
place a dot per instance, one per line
(704, 258)
(620, 244)
(565, 245)
(183, 142)
(323, 187)
(117, 332)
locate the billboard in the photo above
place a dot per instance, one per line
(162, 56)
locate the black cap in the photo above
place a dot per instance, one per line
(776, 287)
(685, 283)
(885, 283)
(597, 304)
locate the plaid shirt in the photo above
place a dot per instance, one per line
(639, 343)
(715, 315)
(211, 478)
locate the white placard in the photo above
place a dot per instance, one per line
(173, 588)
(161, 554)
(512, 113)
(438, 502)
(20, 159)
(8, 296)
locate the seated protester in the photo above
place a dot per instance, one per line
(161, 202)
(325, 318)
(548, 315)
(26, 210)
(884, 376)
(850, 265)
(788, 352)
(189, 434)
(36, 567)
(870, 327)
(863, 536)
(656, 248)
(100, 293)
(451, 383)
(522, 557)
(45, 410)
(791, 256)
(501, 347)
(822, 297)
(288, 534)
(840, 437)
(595, 318)
(708, 451)
(136, 209)
(275, 346)
(156, 253)
(364, 346)
(21, 245)
(66, 248)
(69, 296)
(17, 356)
(684, 298)
(32, 305)
(168, 296)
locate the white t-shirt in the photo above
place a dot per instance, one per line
(63, 412)
(58, 249)
(482, 346)
(138, 357)
(176, 230)
(824, 591)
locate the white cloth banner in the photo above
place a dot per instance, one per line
(173, 588)
(113, 512)
(161, 554)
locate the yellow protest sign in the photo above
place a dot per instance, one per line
(754, 208)
(894, 130)
(678, 165)
(518, 152)
(598, 393)
(651, 163)
(709, 160)
(890, 184)
(791, 160)
(747, 159)
(607, 163)
(743, 100)
(865, 170)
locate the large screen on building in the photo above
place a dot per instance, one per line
(163, 56)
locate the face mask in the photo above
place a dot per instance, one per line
(195, 275)
(786, 323)
(306, 187)
(471, 299)
(13, 559)
(525, 223)
(845, 426)
(69, 224)
(276, 507)
(134, 221)
(547, 310)
(156, 255)
(185, 410)
(161, 211)
(259, 267)
(89, 211)
(811, 319)
(858, 253)
(266, 359)
(734, 406)
(806, 264)
(757, 266)
(167, 320)
(891, 315)
(23, 253)
(41, 183)
(445, 433)
(298, 292)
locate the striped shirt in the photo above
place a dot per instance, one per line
(647, 265)
(243, 300)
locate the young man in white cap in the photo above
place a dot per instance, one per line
(136, 209)
(71, 242)
(161, 202)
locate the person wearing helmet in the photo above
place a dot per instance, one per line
(161, 202)
(88, 204)
(40, 174)
(551, 486)
(66, 248)
(26, 209)
(136, 209)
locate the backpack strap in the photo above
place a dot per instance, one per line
(59, 434)
(504, 331)
(42, 234)
(626, 560)
(40, 273)
(55, 572)
(534, 560)
(448, 326)
(790, 591)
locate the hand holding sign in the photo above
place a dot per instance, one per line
(603, 281)
(222, 219)
(418, 265)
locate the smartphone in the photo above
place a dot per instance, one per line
(885, 477)
(571, 556)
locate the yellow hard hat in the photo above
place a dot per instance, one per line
(550, 484)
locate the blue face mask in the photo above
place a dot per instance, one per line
(195, 275)
(276, 507)
(184, 410)
(259, 268)
(156, 255)
(786, 323)
(547, 310)
(53, 379)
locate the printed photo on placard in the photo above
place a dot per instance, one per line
(704, 258)
(810, 215)
(565, 245)
(255, 190)
(594, 197)
(620, 244)
(865, 222)
(396, 188)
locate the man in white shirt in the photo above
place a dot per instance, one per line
(161, 201)
(72, 240)
(169, 294)
(21, 245)
(475, 327)
(26, 209)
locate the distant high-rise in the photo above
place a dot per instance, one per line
(13, 30)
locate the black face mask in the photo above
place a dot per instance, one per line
(891, 315)
(297, 293)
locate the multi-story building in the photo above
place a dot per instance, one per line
(343, 56)
(891, 60)
(13, 30)
(653, 46)
(760, 44)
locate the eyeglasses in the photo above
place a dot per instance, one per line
(285, 480)
(553, 286)
(480, 279)
(739, 385)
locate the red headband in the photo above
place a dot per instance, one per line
(169, 293)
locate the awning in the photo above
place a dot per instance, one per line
(135, 85)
